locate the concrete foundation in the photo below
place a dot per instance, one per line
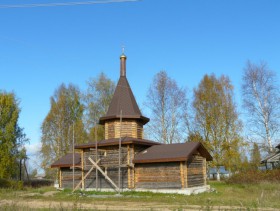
(185, 191)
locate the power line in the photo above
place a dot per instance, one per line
(4, 6)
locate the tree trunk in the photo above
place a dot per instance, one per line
(20, 170)
(218, 174)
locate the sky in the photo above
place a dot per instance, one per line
(43, 47)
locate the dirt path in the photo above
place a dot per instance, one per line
(133, 206)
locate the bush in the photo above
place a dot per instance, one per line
(4, 183)
(255, 176)
(11, 184)
(36, 183)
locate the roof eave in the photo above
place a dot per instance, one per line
(116, 143)
(65, 165)
(143, 119)
(178, 159)
(205, 152)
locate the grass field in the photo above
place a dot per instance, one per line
(264, 196)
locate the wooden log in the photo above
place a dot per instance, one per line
(195, 171)
(60, 178)
(130, 128)
(182, 174)
(83, 178)
(133, 169)
(204, 171)
(100, 170)
(82, 158)
(128, 163)
(186, 174)
(161, 175)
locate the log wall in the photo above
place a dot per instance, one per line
(109, 156)
(130, 128)
(158, 175)
(67, 177)
(109, 162)
(166, 175)
(90, 181)
(196, 174)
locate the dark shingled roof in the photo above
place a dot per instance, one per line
(272, 157)
(67, 161)
(171, 153)
(115, 141)
(124, 100)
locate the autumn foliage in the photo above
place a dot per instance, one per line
(255, 177)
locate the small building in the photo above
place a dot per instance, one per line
(273, 159)
(65, 166)
(212, 174)
(127, 161)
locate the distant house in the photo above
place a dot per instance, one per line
(40, 176)
(212, 174)
(126, 161)
(273, 159)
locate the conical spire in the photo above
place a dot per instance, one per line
(123, 100)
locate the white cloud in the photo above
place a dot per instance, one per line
(34, 160)
(33, 149)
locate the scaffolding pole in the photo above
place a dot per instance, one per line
(73, 148)
(120, 144)
(104, 174)
(87, 174)
(96, 158)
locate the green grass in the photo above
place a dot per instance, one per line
(247, 197)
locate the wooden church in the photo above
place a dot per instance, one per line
(126, 161)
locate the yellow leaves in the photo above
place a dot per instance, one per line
(217, 118)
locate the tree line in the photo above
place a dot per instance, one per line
(210, 116)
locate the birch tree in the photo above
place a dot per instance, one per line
(261, 101)
(255, 156)
(216, 120)
(65, 115)
(97, 100)
(166, 102)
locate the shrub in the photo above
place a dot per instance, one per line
(35, 183)
(255, 176)
(4, 183)
(11, 184)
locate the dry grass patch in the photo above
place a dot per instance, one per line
(264, 196)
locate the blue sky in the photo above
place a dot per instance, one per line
(40, 48)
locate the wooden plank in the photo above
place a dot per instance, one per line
(195, 171)
(204, 171)
(162, 175)
(186, 175)
(102, 172)
(83, 178)
(130, 128)
(128, 162)
(83, 183)
(182, 174)
(133, 169)
(60, 178)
